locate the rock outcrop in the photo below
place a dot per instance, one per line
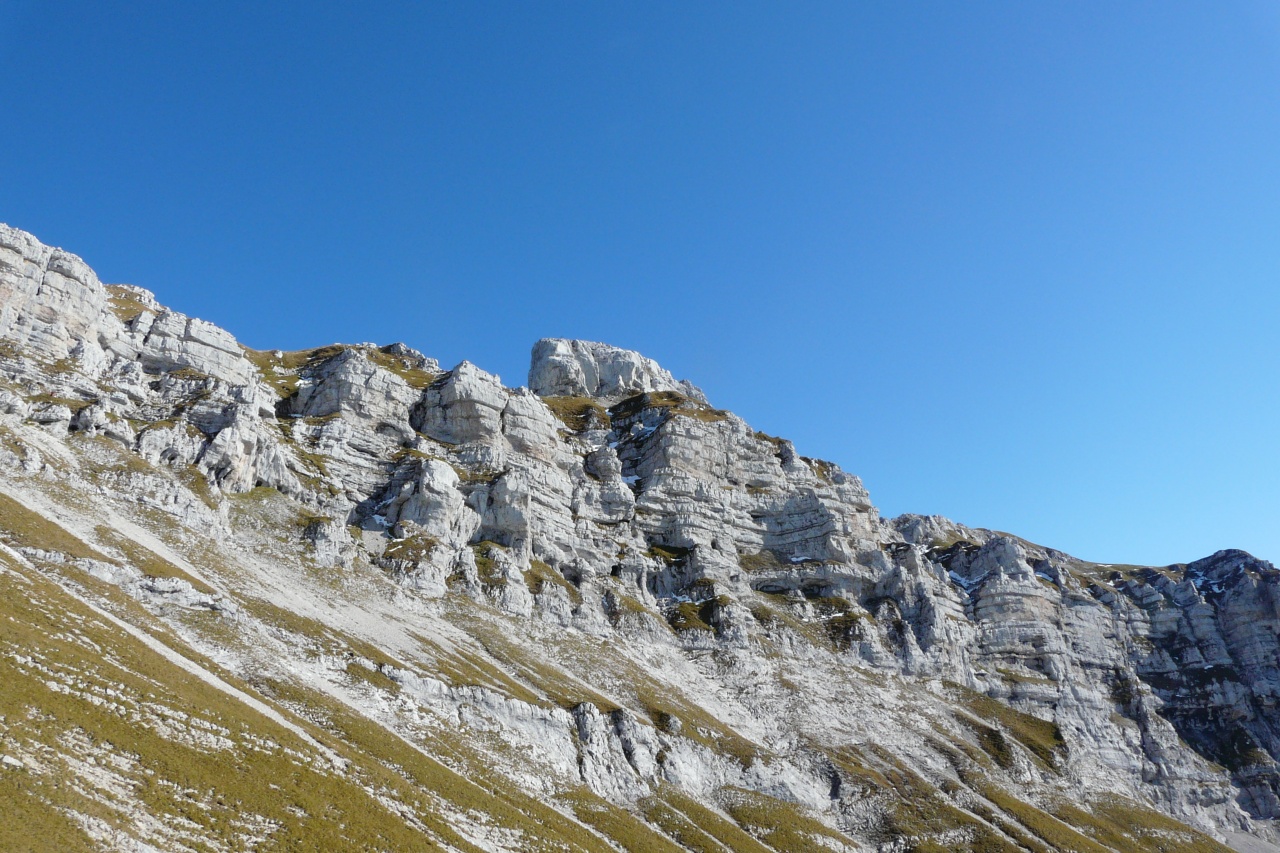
(602, 584)
(565, 368)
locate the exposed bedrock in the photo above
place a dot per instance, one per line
(612, 499)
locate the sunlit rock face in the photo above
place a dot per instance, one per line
(627, 612)
(565, 368)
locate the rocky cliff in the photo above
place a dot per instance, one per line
(343, 598)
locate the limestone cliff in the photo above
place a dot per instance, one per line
(629, 618)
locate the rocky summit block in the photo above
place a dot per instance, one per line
(568, 368)
(341, 598)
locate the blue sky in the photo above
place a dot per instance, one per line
(1015, 263)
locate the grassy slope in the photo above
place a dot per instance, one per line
(120, 742)
(188, 762)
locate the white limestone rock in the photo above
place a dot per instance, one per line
(350, 385)
(172, 341)
(433, 504)
(247, 454)
(570, 368)
(719, 557)
(50, 300)
(467, 406)
(53, 307)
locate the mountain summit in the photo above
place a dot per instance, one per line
(345, 599)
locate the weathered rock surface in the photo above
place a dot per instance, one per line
(605, 585)
(566, 368)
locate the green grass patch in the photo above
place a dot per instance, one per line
(200, 794)
(75, 404)
(406, 368)
(540, 574)
(36, 815)
(771, 439)
(579, 413)
(325, 639)
(822, 469)
(476, 475)
(1049, 829)
(915, 812)
(422, 781)
(839, 624)
(679, 827)
(991, 740)
(147, 561)
(281, 371)
(463, 668)
(486, 564)
(672, 402)
(694, 825)
(25, 528)
(1042, 738)
(765, 561)
(124, 303)
(669, 554)
(415, 548)
(666, 707)
(536, 670)
(187, 374)
(781, 825)
(617, 823)
(1021, 678)
(198, 485)
(1124, 825)
(689, 616)
(375, 678)
(111, 457)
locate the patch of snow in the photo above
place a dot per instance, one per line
(965, 584)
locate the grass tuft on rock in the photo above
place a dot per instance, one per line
(1042, 738)
(579, 413)
(781, 825)
(407, 369)
(540, 574)
(672, 402)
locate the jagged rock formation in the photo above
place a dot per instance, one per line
(563, 368)
(633, 620)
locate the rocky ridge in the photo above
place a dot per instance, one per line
(644, 623)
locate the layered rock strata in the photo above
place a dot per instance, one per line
(614, 502)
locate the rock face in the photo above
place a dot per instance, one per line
(607, 597)
(564, 368)
(55, 308)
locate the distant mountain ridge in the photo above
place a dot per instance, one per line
(343, 598)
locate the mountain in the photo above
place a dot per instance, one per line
(343, 599)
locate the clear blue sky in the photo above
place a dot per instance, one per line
(1016, 263)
